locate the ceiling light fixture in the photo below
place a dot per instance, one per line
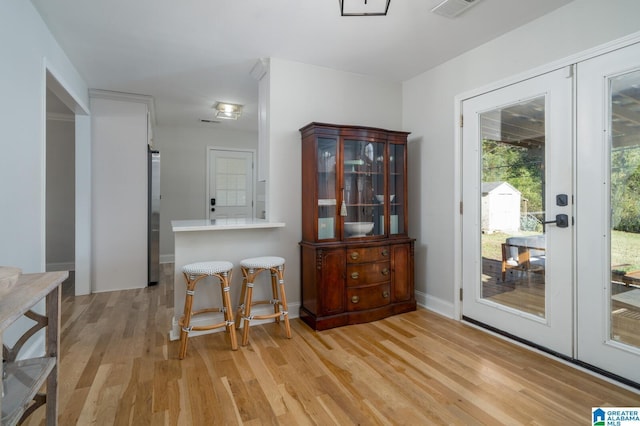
(228, 111)
(364, 7)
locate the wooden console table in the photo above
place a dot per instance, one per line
(23, 379)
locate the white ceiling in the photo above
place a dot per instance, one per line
(188, 54)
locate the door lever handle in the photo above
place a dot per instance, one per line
(562, 221)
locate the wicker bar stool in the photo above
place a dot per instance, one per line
(193, 273)
(250, 269)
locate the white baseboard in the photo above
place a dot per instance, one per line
(61, 266)
(435, 304)
(174, 333)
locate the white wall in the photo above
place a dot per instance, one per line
(60, 189)
(428, 105)
(119, 202)
(300, 94)
(25, 48)
(183, 174)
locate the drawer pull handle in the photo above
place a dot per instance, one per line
(385, 294)
(385, 271)
(355, 299)
(355, 255)
(385, 252)
(355, 275)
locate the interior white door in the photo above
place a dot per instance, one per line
(608, 206)
(517, 174)
(230, 184)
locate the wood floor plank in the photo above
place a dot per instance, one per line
(119, 367)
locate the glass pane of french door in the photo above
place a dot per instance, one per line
(513, 205)
(624, 122)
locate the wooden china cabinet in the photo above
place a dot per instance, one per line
(356, 255)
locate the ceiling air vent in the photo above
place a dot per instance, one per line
(453, 8)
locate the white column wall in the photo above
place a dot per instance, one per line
(428, 112)
(119, 202)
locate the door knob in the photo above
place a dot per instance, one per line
(562, 221)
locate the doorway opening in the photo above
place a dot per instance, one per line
(66, 213)
(60, 185)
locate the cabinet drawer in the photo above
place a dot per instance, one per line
(367, 254)
(361, 298)
(368, 273)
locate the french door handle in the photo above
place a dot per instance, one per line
(562, 221)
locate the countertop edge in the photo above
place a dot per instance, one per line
(185, 227)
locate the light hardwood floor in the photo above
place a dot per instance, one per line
(118, 367)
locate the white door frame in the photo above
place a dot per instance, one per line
(208, 176)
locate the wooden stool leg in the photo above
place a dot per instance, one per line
(283, 301)
(242, 306)
(185, 321)
(247, 308)
(274, 290)
(225, 278)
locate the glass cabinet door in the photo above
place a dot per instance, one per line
(327, 215)
(396, 189)
(363, 198)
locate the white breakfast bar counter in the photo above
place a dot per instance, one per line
(220, 239)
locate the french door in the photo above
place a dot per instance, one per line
(551, 222)
(608, 205)
(518, 221)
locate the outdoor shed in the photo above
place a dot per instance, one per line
(500, 207)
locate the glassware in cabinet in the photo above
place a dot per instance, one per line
(326, 187)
